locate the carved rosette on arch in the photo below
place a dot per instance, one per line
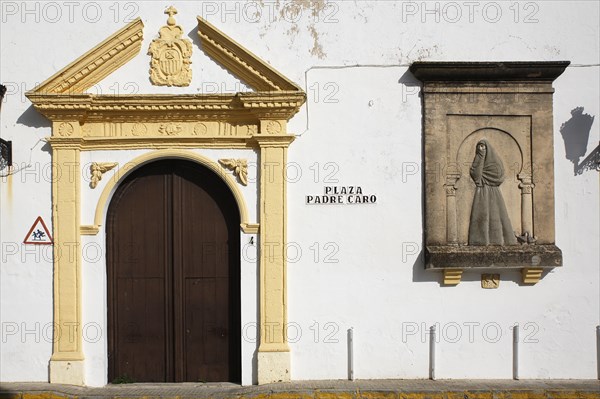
(239, 168)
(170, 65)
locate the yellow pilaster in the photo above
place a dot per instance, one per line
(273, 351)
(66, 364)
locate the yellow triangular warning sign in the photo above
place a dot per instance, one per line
(38, 233)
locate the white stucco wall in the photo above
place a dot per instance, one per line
(350, 266)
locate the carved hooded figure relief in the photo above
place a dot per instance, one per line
(489, 224)
(469, 222)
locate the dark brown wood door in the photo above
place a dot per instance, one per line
(173, 276)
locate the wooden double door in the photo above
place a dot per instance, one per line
(173, 276)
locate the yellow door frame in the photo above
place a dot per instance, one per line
(171, 125)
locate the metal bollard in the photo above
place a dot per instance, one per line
(516, 352)
(432, 352)
(351, 354)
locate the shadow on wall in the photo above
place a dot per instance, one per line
(32, 118)
(409, 80)
(575, 133)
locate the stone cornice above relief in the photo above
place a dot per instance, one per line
(91, 107)
(97, 63)
(504, 71)
(240, 61)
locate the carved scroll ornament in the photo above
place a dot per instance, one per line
(239, 168)
(97, 169)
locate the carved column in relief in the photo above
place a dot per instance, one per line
(451, 224)
(526, 187)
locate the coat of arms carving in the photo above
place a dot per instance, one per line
(170, 65)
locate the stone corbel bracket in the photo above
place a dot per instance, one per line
(97, 169)
(460, 101)
(239, 168)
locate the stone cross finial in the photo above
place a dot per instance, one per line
(170, 65)
(170, 12)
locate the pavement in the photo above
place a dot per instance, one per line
(337, 389)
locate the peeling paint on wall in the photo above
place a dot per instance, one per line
(418, 54)
(294, 12)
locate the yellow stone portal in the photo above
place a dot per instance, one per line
(170, 125)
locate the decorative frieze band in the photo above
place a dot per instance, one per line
(168, 129)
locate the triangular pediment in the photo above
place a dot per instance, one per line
(96, 64)
(122, 46)
(240, 61)
(64, 96)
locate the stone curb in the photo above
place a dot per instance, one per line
(409, 389)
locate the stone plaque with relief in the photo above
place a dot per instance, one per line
(489, 167)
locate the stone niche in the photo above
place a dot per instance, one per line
(489, 166)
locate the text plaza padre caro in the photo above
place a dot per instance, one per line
(341, 195)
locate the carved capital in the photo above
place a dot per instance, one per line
(526, 184)
(526, 188)
(450, 185)
(239, 168)
(450, 190)
(97, 169)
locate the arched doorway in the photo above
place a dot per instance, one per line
(173, 260)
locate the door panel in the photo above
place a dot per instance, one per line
(141, 322)
(206, 259)
(206, 330)
(173, 274)
(138, 278)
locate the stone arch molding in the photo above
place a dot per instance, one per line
(480, 131)
(169, 124)
(130, 166)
